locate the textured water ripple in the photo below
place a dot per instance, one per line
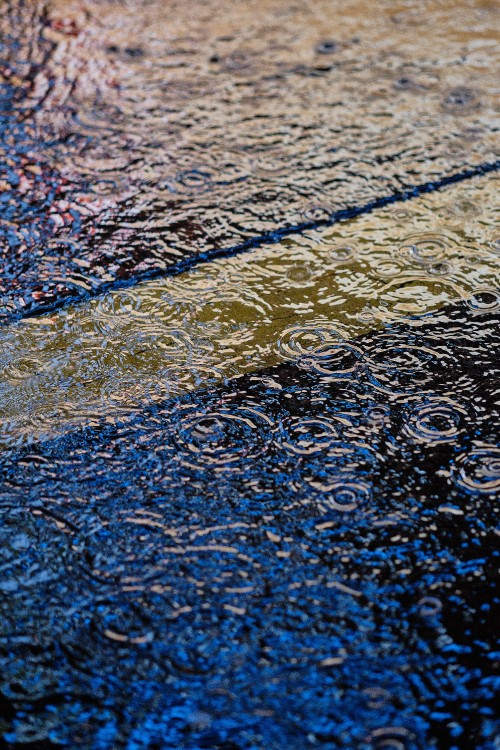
(307, 555)
(138, 136)
(305, 298)
(292, 559)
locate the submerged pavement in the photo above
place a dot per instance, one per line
(249, 376)
(120, 351)
(139, 138)
(303, 557)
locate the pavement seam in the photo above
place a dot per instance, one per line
(253, 243)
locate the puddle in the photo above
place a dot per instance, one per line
(249, 464)
(142, 135)
(315, 540)
(306, 294)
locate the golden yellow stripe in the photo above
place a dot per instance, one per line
(113, 354)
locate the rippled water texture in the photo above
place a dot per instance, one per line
(138, 135)
(249, 375)
(307, 295)
(304, 557)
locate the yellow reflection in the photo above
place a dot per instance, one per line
(113, 354)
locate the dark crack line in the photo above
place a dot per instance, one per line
(268, 238)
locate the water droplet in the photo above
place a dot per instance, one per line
(299, 273)
(435, 421)
(193, 180)
(342, 494)
(390, 738)
(221, 438)
(461, 100)
(478, 470)
(342, 253)
(304, 340)
(367, 316)
(120, 303)
(327, 47)
(305, 436)
(425, 248)
(484, 300)
(429, 606)
(440, 269)
(317, 213)
(376, 697)
(388, 268)
(336, 360)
